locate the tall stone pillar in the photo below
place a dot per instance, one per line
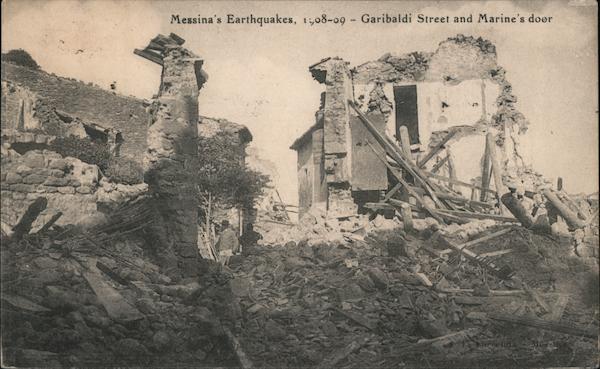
(171, 157)
(337, 148)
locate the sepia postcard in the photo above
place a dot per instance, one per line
(299, 184)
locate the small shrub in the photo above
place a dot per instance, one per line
(124, 170)
(84, 150)
(20, 57)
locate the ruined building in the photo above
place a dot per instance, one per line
(458, 88)
(172, 151)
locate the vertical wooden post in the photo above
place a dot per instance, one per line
(559, 184)
(570, 217)
(485, 173)
(496, 169)
(407, 219)
(405, 143)
(451, 167)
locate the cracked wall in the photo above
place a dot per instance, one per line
(460, 87)
(172, 150)
(337, 152)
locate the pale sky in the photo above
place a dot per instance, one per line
(258, 76)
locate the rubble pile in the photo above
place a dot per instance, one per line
(401, 299)
(74, 297)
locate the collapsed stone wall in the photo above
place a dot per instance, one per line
(86, 101)
(457, 59)
(70, 186)
(334, 73)
(172, 151)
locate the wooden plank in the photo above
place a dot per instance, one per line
(492, 292)
(395, 154)
(50, 223)
(496, 253)
(486, 238)
(379, 206)
(559, 307)
(471, 215)
(336, 357)
(462, 200)
(457, 182)
(23, 303)
(115, 305)
(392, 192)
(31, 214)
(439, 164)
(242, 358)
(368, 173)
(153, 57)
(405, 143)
(451, 167)
(496, 168)
(485, 173)
(407, 218)
(436, 149)
(570, 217)
(399, 178)
(567, 328)
(468, 253)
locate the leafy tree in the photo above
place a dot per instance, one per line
(222, 176)
(20, 57)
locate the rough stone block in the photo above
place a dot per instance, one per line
(74, 183)
(34, 179)
(56, 181)
(48, 189)
(33, 159)
(23, 170)
(84, 189)
(66, 190)
(20, 187)
(12, 178)
(18, 195)
(57, 173)
(60, 164)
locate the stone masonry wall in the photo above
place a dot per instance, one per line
(70, 186)
(67, 183)
(86, 101)
(172, 153)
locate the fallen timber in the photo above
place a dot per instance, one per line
(397, 154)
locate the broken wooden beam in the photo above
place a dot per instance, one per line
(501, 272)
(405, 143)
(517, 209)
(407, 218)
(485, 173)
(401, 180)
(242, 358)
(149, 55)
(440, 164)
(113, 302)
(436, 149)
(496, 168)
(335, 358)
(567, 328)
(392, 192)
(570, 217)
(472, 215)
(31, 214)
(486, 238)
(496, 253)
(462, 200)
(457, 182)
(50, 223)
(395, 153)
